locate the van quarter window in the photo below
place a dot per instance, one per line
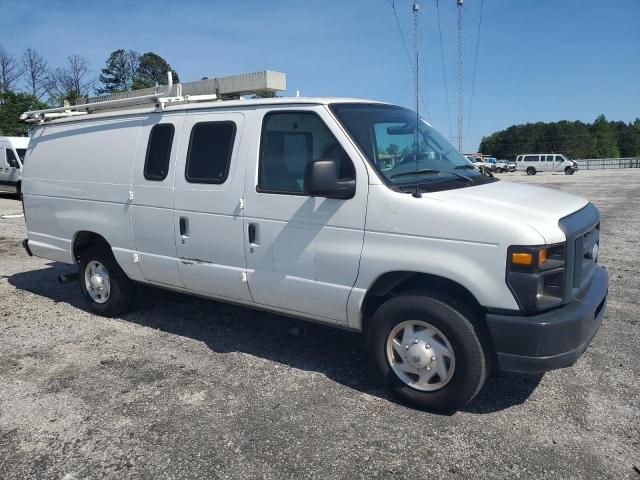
(209, 153)
(289, 141)
(156, 164)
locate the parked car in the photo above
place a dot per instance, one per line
(285, 204)
(511, 166)
(546, 162)
(12, 152)
(496, 165)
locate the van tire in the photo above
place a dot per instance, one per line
(19, 191)
(568, 171)
(531, 171)
(121, 288)
(471, 361)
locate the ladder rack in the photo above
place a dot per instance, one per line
(205, 90)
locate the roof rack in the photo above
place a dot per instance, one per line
(205, 90)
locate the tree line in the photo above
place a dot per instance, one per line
(27, 82)
(600, 139)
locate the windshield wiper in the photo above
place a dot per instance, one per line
(416, 172)
(431, 170)
(460, 167)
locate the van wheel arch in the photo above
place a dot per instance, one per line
(392, 284)
(85, 239)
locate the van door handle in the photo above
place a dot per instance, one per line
(184, 227)
(252, 233)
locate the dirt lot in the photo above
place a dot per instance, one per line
(187, 388)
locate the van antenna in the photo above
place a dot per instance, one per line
(416, 8)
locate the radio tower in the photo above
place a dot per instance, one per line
(460, 82)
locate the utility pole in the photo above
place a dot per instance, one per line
(460, 80)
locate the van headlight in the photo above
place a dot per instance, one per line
(536, 275)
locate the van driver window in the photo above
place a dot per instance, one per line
(156, 164)
(289, 141)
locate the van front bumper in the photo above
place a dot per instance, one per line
(553, 339)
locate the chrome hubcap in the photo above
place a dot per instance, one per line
(420, 355)
(96, 279)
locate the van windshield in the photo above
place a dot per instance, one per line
(386, 134)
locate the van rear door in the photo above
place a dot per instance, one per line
(209, 185)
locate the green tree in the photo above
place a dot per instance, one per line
(629, 138)
(119, 74)
(605, 138)
(393, 149)
(11, 106)
(153, 69)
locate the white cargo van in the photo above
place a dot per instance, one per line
(283, 204)
(545, 162)
(12, 152)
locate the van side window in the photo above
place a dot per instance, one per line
(559, 158)
(289, 141)
(156, 163)
(210, 148)
(11, 157)
(531, 158)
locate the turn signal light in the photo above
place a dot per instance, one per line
(521, 258)
(542, 256)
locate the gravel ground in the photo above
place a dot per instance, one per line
(188, 388)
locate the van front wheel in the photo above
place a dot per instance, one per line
(568, 171)
(104, 285)
(531, 171)
(427, 352)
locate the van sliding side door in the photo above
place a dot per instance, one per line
(207, 218)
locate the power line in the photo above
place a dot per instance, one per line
(444, 70)
(475, 64)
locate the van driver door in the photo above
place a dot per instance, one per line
(302, 252)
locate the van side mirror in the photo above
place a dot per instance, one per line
(321, 180)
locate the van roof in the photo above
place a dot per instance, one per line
(16, 142)
(214, 104)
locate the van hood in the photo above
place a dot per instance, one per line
(539, 207)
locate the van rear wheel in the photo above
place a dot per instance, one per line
(105, 287)
(531, 171)
(427, 352)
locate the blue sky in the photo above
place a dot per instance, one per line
(539, 60)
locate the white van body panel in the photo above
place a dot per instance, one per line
(86, 190)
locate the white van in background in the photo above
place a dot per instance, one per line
(12, 153)
(545, 162)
